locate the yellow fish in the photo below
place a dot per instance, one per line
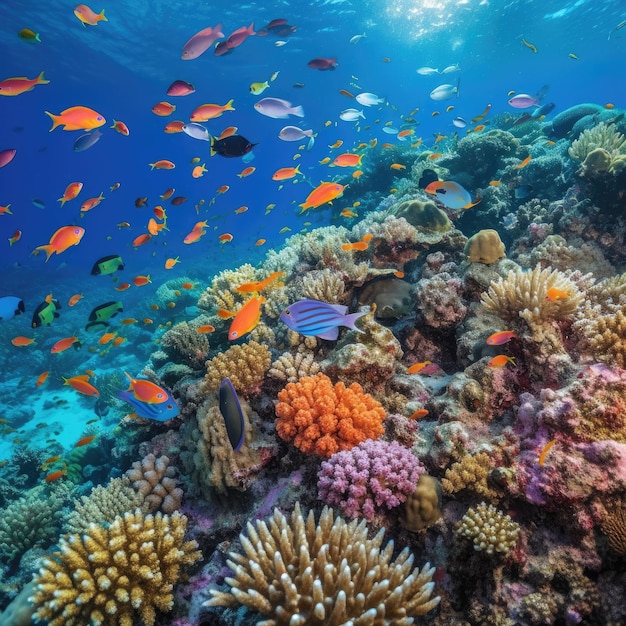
(258, 88)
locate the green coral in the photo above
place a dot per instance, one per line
(422, 214)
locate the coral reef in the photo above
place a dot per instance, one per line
(472, 473)
(490, 530)
(323, 419)
(155, 480)
(369, 480)
(614, 527)
(484, 247)
(422, 214)
(297, 572)
(104, 504)
(440, 300)
(185, 346)
(602, 136)
(245, 365)
(291, 367)
(325, 285)
(111, 576)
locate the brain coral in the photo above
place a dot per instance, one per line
(484, 247)
(107, 576)
(298, 573)
(369, 479)
(421, 214)
(322, 419)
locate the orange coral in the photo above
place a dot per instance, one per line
(322, 419)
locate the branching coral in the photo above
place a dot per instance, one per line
(472, 473)
(370, 479)
(245, 365)
(603, 136)
(298, 573)
(491, 530)
(155, 480)
(113, 576)
(104, 504)
(322, 419)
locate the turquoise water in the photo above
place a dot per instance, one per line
(568, 53)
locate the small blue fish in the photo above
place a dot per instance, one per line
(161, 412)
(11, 306)
(84, 142)
(232, 413)
(319, 319)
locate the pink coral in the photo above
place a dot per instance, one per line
(369, 479)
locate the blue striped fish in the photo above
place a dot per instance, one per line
(319, 319)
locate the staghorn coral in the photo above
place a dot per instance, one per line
(471, 473)
(104, 504)
(290, 367)
(109, 575)
(490, 530)
(484, 247)
(369, 479)
(155, 480)
(422, 507)
(604, 136)
(184, 345)
(33, 519)
(322, 419)
(245, 365)
(298, 573)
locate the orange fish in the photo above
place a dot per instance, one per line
(41, 379)
(17, 235)
(324, 161)
(168, 194)
(224, 314)
(139, 202)
(87, 16)
(147, 320)
(417, 367)
(64, 238)
(228, 132)
(501, 337)
(435, 155)
(241, 209)
(91, 203)
(153, 227)
(140, 240)
(77, 118)
(84, 441)
(357, 174)
(82, 385)
(146, 391)
(246, 171)
(197, 232)
(64, 344)
(348, 213)
(118, 341)
(187, 285)
(199, 171)
(21, 341)
(20, 84)
(50, 478)
(346, 93)
(123, 287)
(494, 183)
(260, 242)
(357, 245)
(555, 294)
(406, 132)
(159, 212)
(71, 191)
(348, 160)
(322, 194)
(397, 166)
(51, 460)
(140, 281)
(163, 109)
(259, 284)
(106, 338)
(545, 450)
(128, 320)
(285, 173)
(162, 164)
(501, 360)
(207, 112)
(246, 319)
(418, 414)
(225, 237)
(74, 299)
(175, 126)
(398, 274)
(205, 328)
(524, 163)
(4, 210)
(169, 263)
(223, 189)
(121, 128)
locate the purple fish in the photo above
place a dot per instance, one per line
(201, 42)
(6, 156)
(277, 108)
(319, 319)
(180, 88)
(237, 37)
(523, 101)
(323, 64)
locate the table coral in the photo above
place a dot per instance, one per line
(113, 576)
(322, 419)
(297, 573)
(490, 530)
(155, 480)
(370, 479)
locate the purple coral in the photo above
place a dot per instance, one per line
(369, 479)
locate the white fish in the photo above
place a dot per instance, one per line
(459, 122)
(445, 92)
(278, 108)
(369, 99)
(390, 130)
(351, 115)
(279, 43)
(197, 131)
(357, 38)
(293, 133)
(450, 69)
(427, 71)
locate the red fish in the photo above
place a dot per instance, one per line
(501, 337)
(6, 156)
(323, 64)
(121, 128)
(237, 37)
(64, 344)
(20, 84)
(87, 16)
(180, 88)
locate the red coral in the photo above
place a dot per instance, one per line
(322, 419)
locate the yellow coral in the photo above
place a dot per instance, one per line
(614, 526)
(489, 529)
(422, 507)
(107, 576)
(472, 473)
(484, 247)
(602, 136)
(298, 573)
(245, 365)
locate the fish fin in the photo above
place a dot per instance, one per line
(349, 320)
(342, 309)
(331, 334)
(102, 16)
(40, 79)
(212, 140)
(47, 249)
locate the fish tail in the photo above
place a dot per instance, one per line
(41, 80)
(47, 249)
(229, 105)
(102, 16)
(349, 320)
(56, 120)
(62, 201)
(298, 111)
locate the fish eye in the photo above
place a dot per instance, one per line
(169, 407)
